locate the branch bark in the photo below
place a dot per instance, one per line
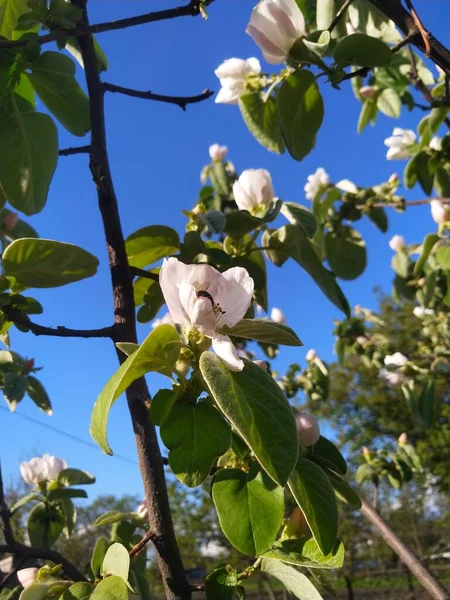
(409, 559)
(181, 101)
(150, 462)
(144, 274)
(75, 150)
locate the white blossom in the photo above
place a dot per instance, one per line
(277, 315)
(392, 378)
(440, 211)
(395, 360)
(142, 509)
(311, 355)
(403, 438)
(200, 297)
(233, 75)
(362, 340)
(397, 243)
(399, 143)
(217, 152)
(420, 311)
(275, 25)
(39, 469)
(166, 319)
(435, 143)
(367, 91)
(315, 182)
(347, 186)
(308, 432)
(27, 576)
(253, 191)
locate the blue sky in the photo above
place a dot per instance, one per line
(156, 153)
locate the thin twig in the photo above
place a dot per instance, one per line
(144, 274)
(197, 587)
(339, 15)
(362, 72)
(423, 32)
(189, 10)
(181, 101)
(141, 543)
(20, 318)
(401, 204)
(76, 150)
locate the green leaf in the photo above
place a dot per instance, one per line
(328, 450)
(141, 585)
(195, 435)
(149, 244)
(98, 554)
(10, 11)
(53, 78)
(73, 47)
(162, 403)
(389, 103)
(250, 507)
(22, 502)
(300, 112)
(45, 263)
(220, 584)
(113, 516)
(321, 43)
(427, 246)
(362, 50)
(343, 490)
(241, 222)
(78, 591)
(111, 588)
(315, 496)
(369, 111)
(264, 330)
(254, 404)
(306, 553)
(443, 257)
(325, 11)
(127, 347)
(37, 393)
(261, 119)
(28, 157)
(346, 252)
(69, 477)
(36, 591)
(417, 170)
(295, 582)
(116, 562)
(292, 241)
(44, 525)
(158, 352)
(378, 216)
(299, 215)
(66, 493)
(21, 229)
(400, 264)
(426, 403)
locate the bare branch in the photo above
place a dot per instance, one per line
(76, 150)
(339, 15)
(141, 543)
(144, 274)
(362, 72)
(191, 9)
(401, 204)
(181, 101)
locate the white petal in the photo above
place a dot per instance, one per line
(199, 311)
(257, 184)
(227, 96)
(173, 272)
(234, 296)
(225, 349)
(242, 199)
(26, 473)
(254, 66)
(233, 68)
(347, 186)
(293, 11)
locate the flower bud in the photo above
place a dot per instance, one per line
(397, 243)
(142, 509)
(277, 315)
(296, 526)
(253, 191)
(440, 212)
(261, 363)
(27, 576)
(308, 432)
(362, 340)
(367, 91)
(403, 439)
(393, 179)
(10, 221)
(366, 452)
(218, 153)
(29, 364)
(311, 355)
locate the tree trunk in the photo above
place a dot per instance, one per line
(409, 559)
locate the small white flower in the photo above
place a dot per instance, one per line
(400, 143)
(393, 179)
(27, 576)
(142, 509)
(275, 25)
(277, 315)
(440, 211)
(233, 75)
(392, 378)
(200, 297)
(420, 311)
(397, 243)
(403, 438)
(367, 91)
(311, 355)
(347, 186)
(315, 182)
(218, 153)
(362, 340)
(39, 469)
(253, 191)
(435, 143)
(166, 319)
(308, 432)
(395, 360)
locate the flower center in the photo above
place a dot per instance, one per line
(216, 307)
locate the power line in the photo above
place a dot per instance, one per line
(69, 435)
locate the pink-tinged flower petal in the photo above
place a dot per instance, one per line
(242, 199)
(224, 348)
(308, 431)
(290, 7)
(267, 46)
(27, 576)
(234, 296)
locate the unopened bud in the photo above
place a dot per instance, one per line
(29, 364)
(217, 152)
(403, 439)
(362, 340)
(393, 179)
(308, 432)
(27, 576)
(296, 526)
(261, 363)
(311, 355)
(397, 243)
(277, 315)
(10, 221)
(366, 451)
(142, 509)
(367, 91)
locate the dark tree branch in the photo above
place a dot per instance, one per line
(401, 204)
(362, 72)
(340, 13)
(20, 318)
(191, 9)
(405, 21)
(150, 462)
(144, 274)
(5, 515)
(181, 101)
(76, 150)
(423, 32)
(27, 552)
(141, 543)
